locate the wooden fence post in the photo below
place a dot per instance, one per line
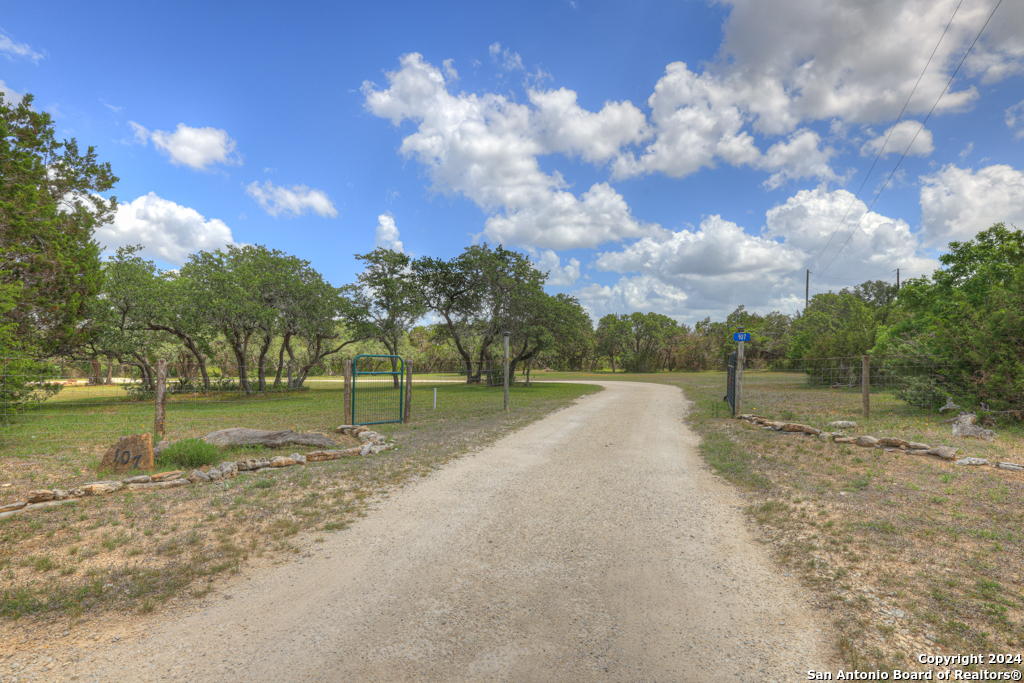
(408, 392)
(348, 391)
(161, 399)
(865, 385)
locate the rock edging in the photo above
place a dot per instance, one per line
(372, 443)
(886, 443)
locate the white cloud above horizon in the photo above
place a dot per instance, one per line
(291, 201)
(958, 203)
(386, 234)
(197, 148)
(168, 231)
(11, 48)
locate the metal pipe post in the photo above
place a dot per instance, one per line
(408, 392)
(739, 376)
(506, 335)
(348, 391)
(865, 385)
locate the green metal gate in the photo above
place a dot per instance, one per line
(378, 389)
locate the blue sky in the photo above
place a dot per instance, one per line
(683, 158)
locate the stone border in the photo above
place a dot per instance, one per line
(372, 444)
(887, 443)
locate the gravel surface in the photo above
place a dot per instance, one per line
(592, 545)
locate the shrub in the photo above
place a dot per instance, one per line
(189, 454)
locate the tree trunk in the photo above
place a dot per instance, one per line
(95, 373)
(262, 362)
(110, 373)
(280, 362)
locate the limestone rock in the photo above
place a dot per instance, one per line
(824, 436)
(164, 476)
(893, 442)
(866, 441)
(345, 429)
(842, 424)
(1012, 466)
(380, 448)
(252, 464)
(365, 450)
(964, 426)
(159, 485)
(13, 506)
(99, 488)
(140, 479)
(130, 453)
(917, 446)
(258, 437)
(161, 447)
(60, 494)
(228, 469)
(299, 459)
(282, 461)
(214, 475)
(49, 503)
(196, 475)
(972, 461)
(794, 427)
(944, 452)
(39, 496)
(844, 439)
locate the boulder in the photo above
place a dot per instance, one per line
(964, 426)
(60, 494)
(842, 424)
(13, 506)
(1012, 466)
(214, 475)
(794, 427)
(777, 426)
(972, 461)
(237, 436)
(893, 442)
(159, 485)
(164, 476)
(196, 475)
(39, 496)
(917, 446)
(345, 429)
(944, 452)
(380, 448)
(299, 459)
(99, 488)
(843, 439)
(367, 447)
(866, 441)
(283, 461)
(140, 479)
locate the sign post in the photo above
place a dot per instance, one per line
(740, 337)
(506, 336)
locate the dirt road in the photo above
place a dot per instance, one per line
(591, 546)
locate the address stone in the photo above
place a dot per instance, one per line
(130, 453)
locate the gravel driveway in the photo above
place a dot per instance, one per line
(593, 545)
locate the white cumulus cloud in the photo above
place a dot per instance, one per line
(295, 200)
(558, 275)
(958, 203)
(196, 148)
(387, 234)
(1014, 119)
(899, 139)
(485, 148)
(12, 97)
(168, 231)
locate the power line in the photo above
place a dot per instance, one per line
(891, 131)
(850, 279)
(903, 156)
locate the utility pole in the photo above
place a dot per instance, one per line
(807, 289)
(897, 279)
(739, 375)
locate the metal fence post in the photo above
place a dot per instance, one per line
(506, 335)
(865, 385)
(409, 392)
(348, 390)
(738, 409)
(161, 399)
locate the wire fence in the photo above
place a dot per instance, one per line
(895, 384)
(50, 405)
(485, 372)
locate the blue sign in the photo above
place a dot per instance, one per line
(741, 336)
